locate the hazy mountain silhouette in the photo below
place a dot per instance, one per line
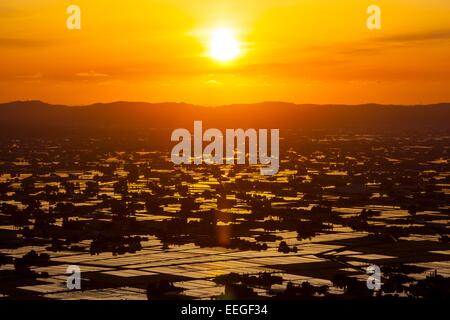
(37, 114)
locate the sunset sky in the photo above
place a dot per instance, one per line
(304, 51)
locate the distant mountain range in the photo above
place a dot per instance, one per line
(129, 115)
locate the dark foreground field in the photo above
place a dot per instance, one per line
(112, 203)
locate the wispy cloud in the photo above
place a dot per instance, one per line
(6, 12)
(30, 76)
(91, 74)
(366, 47)
(433, 35)
(22, 43)
(213, 82)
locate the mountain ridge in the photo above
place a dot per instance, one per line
(283, 115)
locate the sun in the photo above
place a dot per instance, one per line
(224, 46)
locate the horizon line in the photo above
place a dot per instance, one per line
(224, 105)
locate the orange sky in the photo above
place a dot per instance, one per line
(305, 51)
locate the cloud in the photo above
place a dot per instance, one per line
(7, 12)
(114, 83)
(433, 35)
(22, 43)
(30, 76)
(373, 46)
(213, 82)
(91, 74)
